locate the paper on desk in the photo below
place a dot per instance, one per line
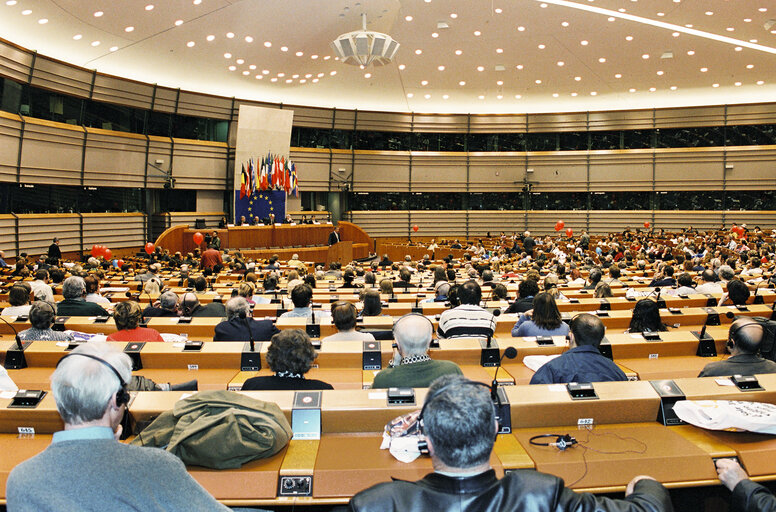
(6, 383)
(173, 338)
(728, 415)
(724, 382)
(115, 289)
(537, 361)
(404, 449)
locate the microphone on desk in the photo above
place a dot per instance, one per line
(493, 327)
(250, 333)
(509, 353)
(14, 357)
(312, 314)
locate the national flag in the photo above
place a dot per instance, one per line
(248, 179)
(294, 184)
(263, 181)
(287, 180)
(276, 174)
(254, 177)
(242, 182)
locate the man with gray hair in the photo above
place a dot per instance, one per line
(459, 423)
(240, 324)
(411, 367)
(89, 386)
(74, 292)
(726, 273)
(167, 305)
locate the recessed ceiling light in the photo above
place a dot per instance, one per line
(178, 23)
(98, 14)
(197, 2)
(480, 68)
(410, 95)
(453, 15)
(259, 77)
(313, 57)
(574, 94)
(542, 47)
(303, 81)
(518, 96)
(445, 96)
(501, 50)
(190, 44)
(427, 96)
(113, 48)
(308, 75)
(458, 52)
(246, 72)
(715, 85)
(762, 9)
(659, 73)
(461, 83)
(543, 6)
(618, 75)
(703, 70)
(252, 67)
(248, 39)
(281, 75)
(661, 14)
(95, 43)
(320, 75)
(477, 33)
(267, 44)
(299, 54)
(43, 21)
(747, 20)
(645, 56)
(149, 7)
(266, 72)
(367, 75)
(440, 68)
(688, 25)
(709, 13)
(593, 93)
(408, 18)
(673, 87)
(691, 52)
(77, 37)
(434, 35)
(676, 34)
(564, 24)
(519, 66)
(11, 3)
(577, 78)
(730, 29)
(652, 89)
(481, 97)
(521, 28)
(629, 38)
(230, 35)
(611, 18)
(26, 12)
(561, 63)
(500, 82)
(232, 68)
(288, 80)
(538, 82)
(284, 48)
(333, 73)
(498, 10)
(418, 51)
(211, 37)
(753, 40)
(760, 82)
(500, 96)
(424, 82)
(749, 66)
(602, 60)
(583, 42)
(631, 90)
(621, 10)
(737, 84)
(555, 95)
(240, 61)
(227, 55)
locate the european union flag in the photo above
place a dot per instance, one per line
(260, 204)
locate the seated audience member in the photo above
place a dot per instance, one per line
(42, 316)
(290, 355)
(543, 320)
(551, 287)
(74, 292)
(594, 277)
(499, 292)
(386, 287)
(385, 262)
(404, 279)
(348, 278)
(744, 339)
(200, 285)
(411, 367)
(441, 292)
(40, 287)
(737, 293)
(646, 317)
(19, 298)
(747, 495)
(93, 291)
(90, 390)
(459, 422)
(151, 287)
(709, 285)
(582, 362)
(149, 273)
(302, 297)
(292, 281)
(663, 277)
(344, 315)
(167, 305)
(190, 306)
(685, 283)
(526, 292)
(127, 316)
(603, 291)
(468, 319)
(373, 305)
(240, 326)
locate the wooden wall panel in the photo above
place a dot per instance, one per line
(684, 117)
(312, 168)
(385, 171)
(8, 235)
(159, 149)
(114, 160)
(165, 99)
(757, 113)
(561, 122)
(15, 61)
(618, 119)
(310, 117)
(483, 221)
(607, 221)
(123, 92)
(676, 220)
(60, 76)
(204, 105)
(621, 170)
(10, 129)
(496, 172)
(211, 218)
(438, 172)
(690, 169)
(381, 223)
(114, 230)
(36, 232)
(437, 223)
(199, 164)
(498, 123)
(440, 123)
(51, 153)
(384, 121)
(557, 171)
(753, 168)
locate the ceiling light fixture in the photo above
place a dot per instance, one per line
(364, 47)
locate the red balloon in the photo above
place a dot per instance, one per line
(559, 225)
(569, 232)
(198, 238)
(415, 227)
(107, 253)
(646, 224)
(120, 263)
(96, 250)
(149, 248)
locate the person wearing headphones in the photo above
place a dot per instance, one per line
(411, 367)
(241, 326)
(344, 316)
(74, 292)
(90, 390)
(190, 306)
(42, 316)
(127, 316)
(744, 338)
(459, 424)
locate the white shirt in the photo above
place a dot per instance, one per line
(41, 290)
(16, 310)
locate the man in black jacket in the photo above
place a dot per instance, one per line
(459, 423)
(239, 326)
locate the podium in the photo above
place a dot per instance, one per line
(341, 252)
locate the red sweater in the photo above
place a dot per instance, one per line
(136, 334)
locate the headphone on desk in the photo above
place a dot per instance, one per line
(423, 444)
(561, 442)
(122, 395)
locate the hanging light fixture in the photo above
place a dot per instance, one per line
(364, 47)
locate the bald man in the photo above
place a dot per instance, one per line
(744, 340)
(411, 367)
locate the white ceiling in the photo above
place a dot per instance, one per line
(584, 60)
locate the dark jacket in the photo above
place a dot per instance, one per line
(334, 238)
(76, 307)
(273, 382)
(214, 309)
(521, 305)
(742, 364)
(525, 490)
(749, 496)
(236, 329)
(152, 311)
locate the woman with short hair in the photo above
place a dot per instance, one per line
(42, 315)
(290, 356)
(127, 316)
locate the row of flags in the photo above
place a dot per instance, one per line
(271, 173)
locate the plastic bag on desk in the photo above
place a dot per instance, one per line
(401, 437)
(728, 415)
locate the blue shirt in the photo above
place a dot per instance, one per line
(580, 364)
(83, 434)
(526, 327)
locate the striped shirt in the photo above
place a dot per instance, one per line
(466, 321)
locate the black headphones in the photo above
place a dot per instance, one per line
(398, 320)
(122, 395)
(188, 305)
(423, 445)
(734, 331)
(561, 441)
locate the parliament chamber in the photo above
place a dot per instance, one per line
(124, 165)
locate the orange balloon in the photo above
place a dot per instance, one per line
(415, 228)
(149, 248)
(198, 238)
(646, 224)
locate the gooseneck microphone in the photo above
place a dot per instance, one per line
(19, 345)
(509, 353)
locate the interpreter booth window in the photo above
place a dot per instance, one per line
(28, 198)
(606, 140)
(572, 141)
(541, 142)
(437, 201)
(159, 123)
(705, 136)
(749, 135)
(177, 200)
(377, 201)
(113, 117)
(423, 141)
(10, 95)
(638, 139)
(558, 201)
(750, 200)
(199, 128)
(341, 139)
(619, 200)
(51, 106)
(690, 200)
(383, 141)
(496, 201)
(303, 137)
